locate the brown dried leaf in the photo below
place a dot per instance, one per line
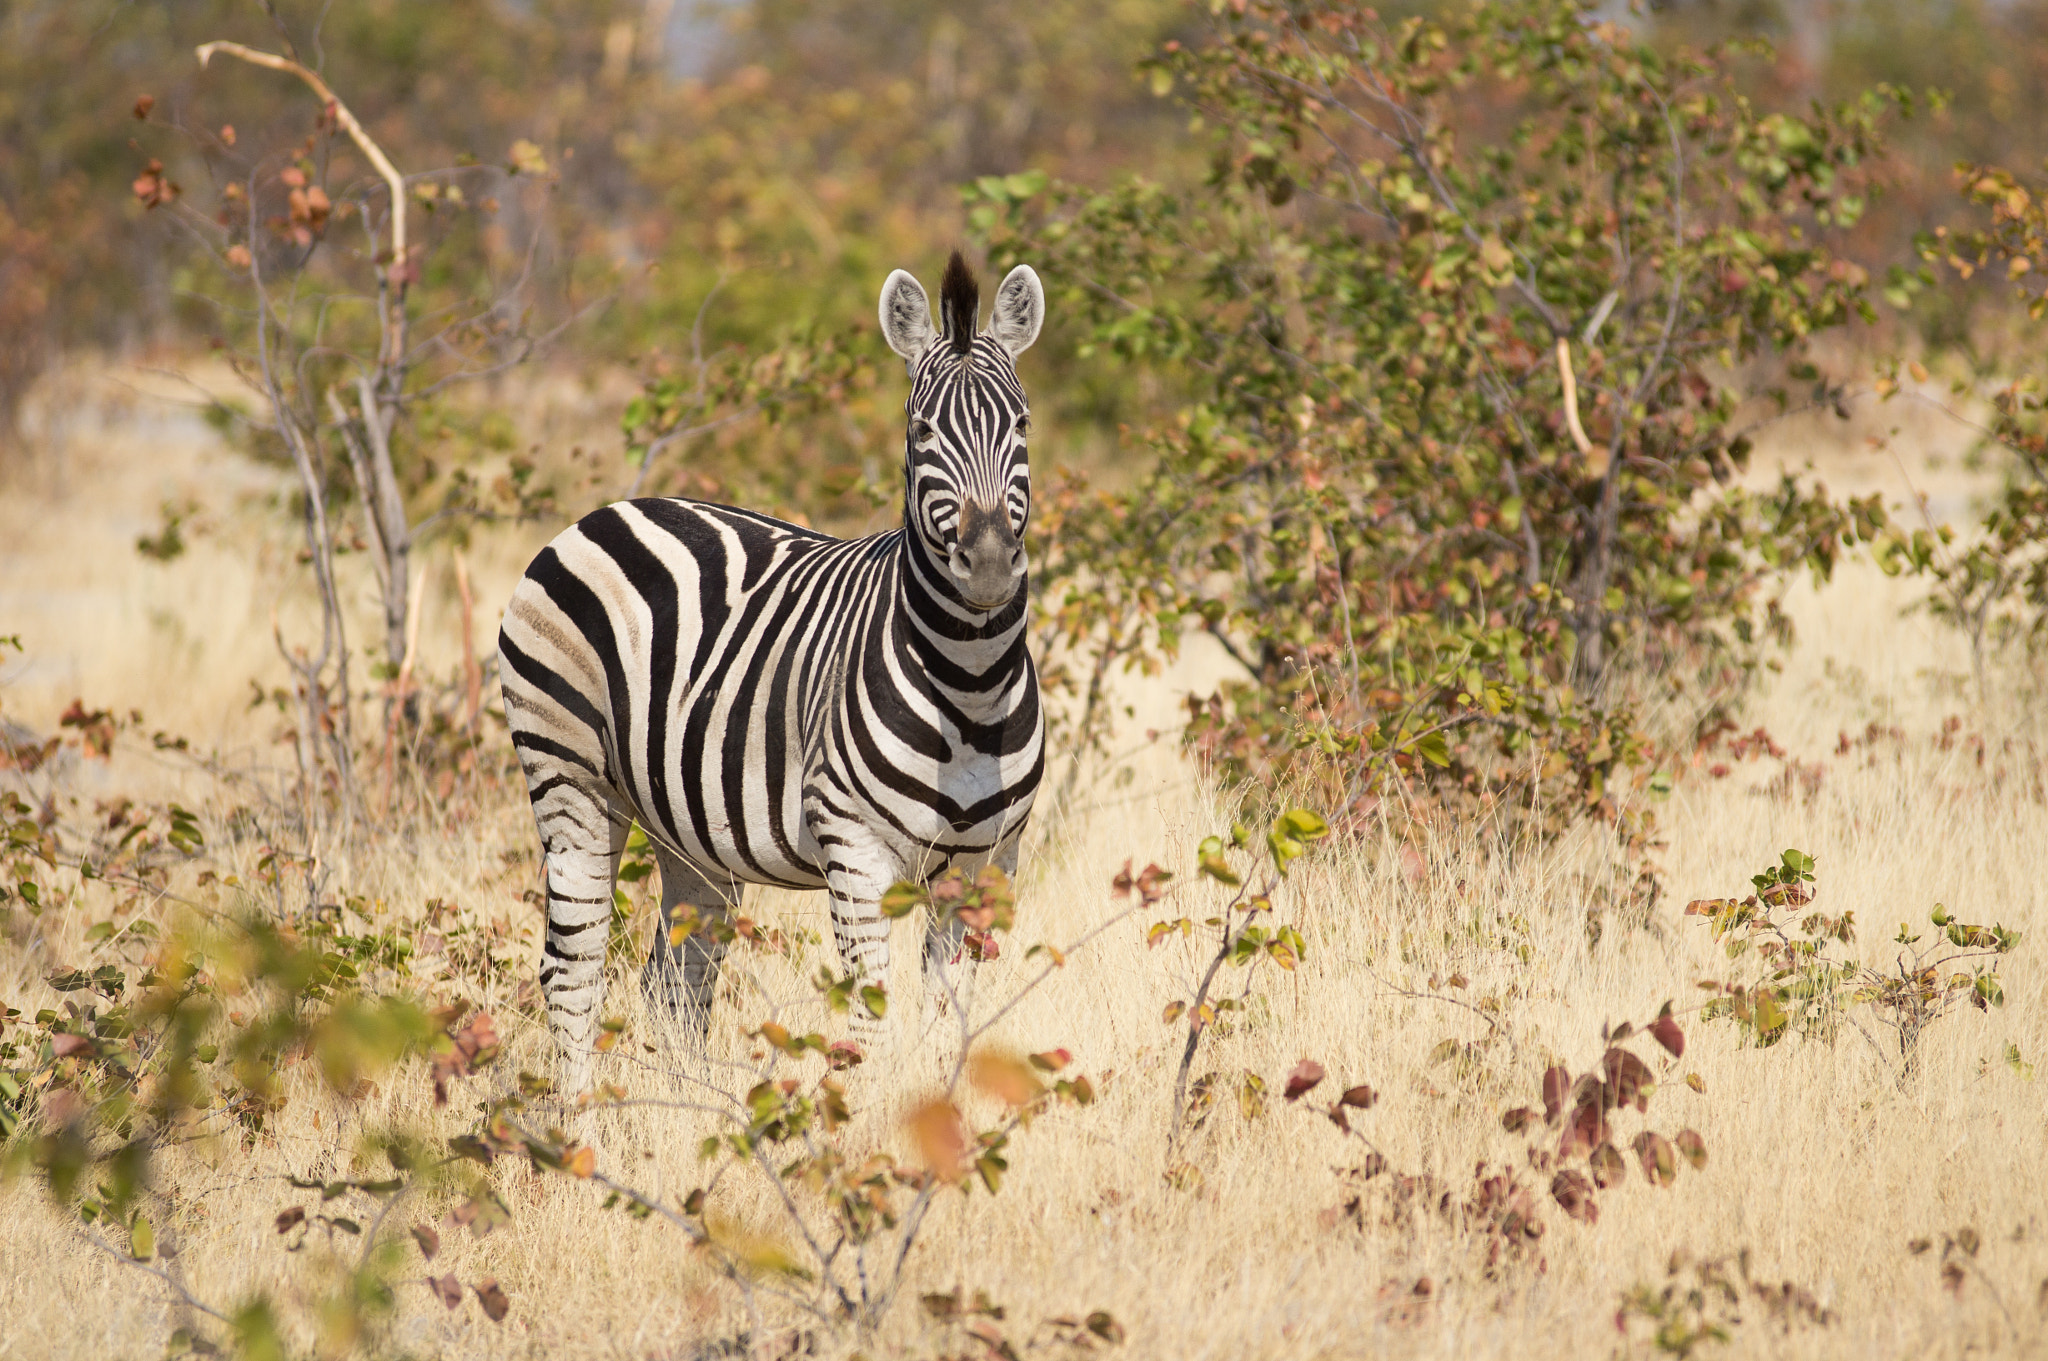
(1557, 1082)
(1659, 1159)
(1005, 1077)
(1517, 1120)
(941, 1139)
(1360, 1097)
(1574, 1193)
(291, 1219)
(1306, 1075)
(1665, 1031)
(1104, 1326)
(446, 1289)
(1693, 1147)
(496, 1306)
(428, 1239)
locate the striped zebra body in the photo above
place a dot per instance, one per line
(776, 706)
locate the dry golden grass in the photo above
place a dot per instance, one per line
(1823, 1163)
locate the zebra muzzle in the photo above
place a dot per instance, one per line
(987, 560)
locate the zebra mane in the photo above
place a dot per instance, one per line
(959, 305)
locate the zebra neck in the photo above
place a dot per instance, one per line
(977, 655)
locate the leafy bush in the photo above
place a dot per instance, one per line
(1802, 987)
(1992, 583)
(1465, 313)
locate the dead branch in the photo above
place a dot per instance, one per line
(1571, 398)
(394, 339)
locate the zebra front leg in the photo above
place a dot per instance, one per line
(680, 977)
(862, 935)
(582, 841)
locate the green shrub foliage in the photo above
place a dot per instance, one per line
(1465, 318)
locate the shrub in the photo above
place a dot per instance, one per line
(1464, 315)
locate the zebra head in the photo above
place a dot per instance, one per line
(967, 482)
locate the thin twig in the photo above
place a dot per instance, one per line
(185, 1296)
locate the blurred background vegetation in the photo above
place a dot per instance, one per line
(795, 151)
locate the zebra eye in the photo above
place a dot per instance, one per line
(920, 431)
(1023, 425)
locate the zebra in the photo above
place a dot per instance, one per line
(773, 705)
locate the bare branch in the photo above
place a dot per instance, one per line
(395, 182)
(1571, 398)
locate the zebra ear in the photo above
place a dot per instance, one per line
(1019, 310)
(906, 317)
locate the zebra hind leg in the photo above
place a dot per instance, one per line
(581, 840)
(680, 977)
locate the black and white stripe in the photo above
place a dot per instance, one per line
(776, 706)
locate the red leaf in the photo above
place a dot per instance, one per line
(1608, 1167)
(446, 1289)
(1629, 1079)
(1666, 1032)
(1586, 1127)
(1517, 1120)
(143, 104)
(1303, 1079)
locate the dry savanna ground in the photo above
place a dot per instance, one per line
(1446, 976)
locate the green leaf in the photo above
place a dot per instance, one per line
(1210, 858)
(903, 898)
(876, 1000)
(1303, 824)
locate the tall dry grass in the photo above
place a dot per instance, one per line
(1824, 1162)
